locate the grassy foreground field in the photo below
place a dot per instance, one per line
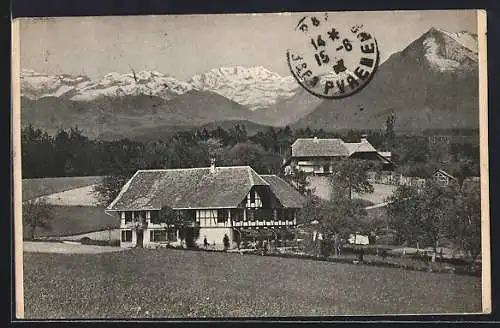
(170, 283)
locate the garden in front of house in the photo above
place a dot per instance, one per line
(169, 283)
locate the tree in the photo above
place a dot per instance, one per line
(251, 154)
(421, 215)
(350, 175)
(285, 138)
(332, 217)
(464, 227)
(221, 134)
(465, 161)
(237, 134)
(180, 220)
(390, 135)
(212, 146)
(298, 179)
(169, 216)
(37, 153)
(402, 206)
(37, 214)
(411, 149)
(63, 153)
(109, 188)
(344, 217)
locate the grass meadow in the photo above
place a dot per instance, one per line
(168, 283)
(33, 188)
(70, 220)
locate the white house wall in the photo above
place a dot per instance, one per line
(209, 218)
(215, 236)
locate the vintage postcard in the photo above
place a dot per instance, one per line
(251, 165)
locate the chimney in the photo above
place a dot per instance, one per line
(212, 165)
(363, 138)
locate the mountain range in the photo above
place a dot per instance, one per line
(431, 83)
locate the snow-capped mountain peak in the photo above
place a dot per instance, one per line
(36, 85)
(254, 87)
(446, 51)
(465, 39)
(133, 83)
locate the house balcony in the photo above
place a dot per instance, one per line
(269, 223)
(148, 224)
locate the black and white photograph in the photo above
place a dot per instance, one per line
(272, 165)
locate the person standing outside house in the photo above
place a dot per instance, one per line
(361, 253)
(225, 241)
(205, 242)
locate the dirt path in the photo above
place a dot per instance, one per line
(67, 248)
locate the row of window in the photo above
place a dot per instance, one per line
(127, 236)
(154, 235)
(163, 235)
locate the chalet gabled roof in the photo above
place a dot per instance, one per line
(286, 194)
(359, 147)
(187, 188)
(313, 147)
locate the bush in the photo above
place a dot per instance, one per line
(368, 250)
(386, 239)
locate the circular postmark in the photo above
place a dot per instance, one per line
(332, 61)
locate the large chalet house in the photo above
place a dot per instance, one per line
(216, 201)
(317, 156)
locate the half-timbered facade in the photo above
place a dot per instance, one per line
(214, 201)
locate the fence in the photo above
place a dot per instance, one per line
(395, 180)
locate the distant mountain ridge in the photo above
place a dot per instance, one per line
(125, 115)
(431, 83)
(254, 87)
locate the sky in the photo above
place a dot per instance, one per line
(184, 45)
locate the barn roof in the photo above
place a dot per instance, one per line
(189, 188)
(443, 172)
(359, 147)
(314, 147)
(288, 196)
(310, 147)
